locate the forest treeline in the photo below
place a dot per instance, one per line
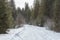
(43, 12)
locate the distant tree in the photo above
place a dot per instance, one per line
(35, 11)
(36, 8)
(27, 12)
(23, 12)
(19, 10)
(26, 8)
(40, 10)
(12, 4)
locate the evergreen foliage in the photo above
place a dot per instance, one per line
(57, 15)
(12, 4)
(27, 12)
(5, 16)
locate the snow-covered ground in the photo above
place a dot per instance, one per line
(30, 32)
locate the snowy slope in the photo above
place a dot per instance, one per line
(30, 32)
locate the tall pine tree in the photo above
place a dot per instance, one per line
(57, 15)
(27, 12)
(5, 16)
(12, 4)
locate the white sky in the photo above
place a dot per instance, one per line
(21, 3)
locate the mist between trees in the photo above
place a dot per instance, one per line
(44, 13)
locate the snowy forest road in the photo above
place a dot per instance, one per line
(30, 32)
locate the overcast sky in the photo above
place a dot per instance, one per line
(21, 3)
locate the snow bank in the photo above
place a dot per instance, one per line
(30, 32)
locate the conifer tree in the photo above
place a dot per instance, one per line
(36, 8)
(46, 10)
(35, 12)
(27, 12)
(3, 17)
(57, 15)
(42, 11)
(23, 11)
(12, 4)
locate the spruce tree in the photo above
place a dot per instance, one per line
(5, 16)
(27, 12)
(35, 12)
(36, 8)
(57, 15)
(46, 10)
(12, 4)
(49, 8)
(42, 11)
(23, 11)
